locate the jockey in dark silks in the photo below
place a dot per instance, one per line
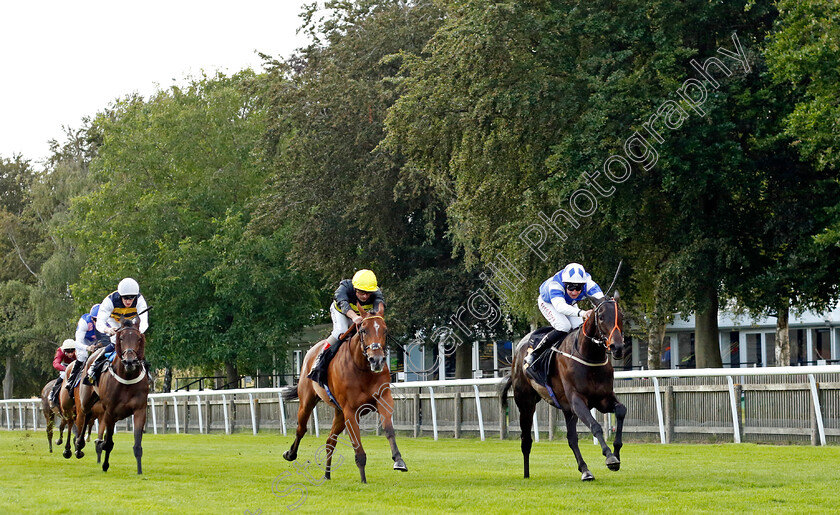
(361, 290)
(123, 303)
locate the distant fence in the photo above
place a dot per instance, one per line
(786, 404)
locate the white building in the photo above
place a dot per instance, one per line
(747, 342)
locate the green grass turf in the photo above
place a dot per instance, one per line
(235, 474)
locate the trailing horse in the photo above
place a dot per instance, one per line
(50, 413)
(123, 390)
(359, 381)
(580, 379)
(66, 412)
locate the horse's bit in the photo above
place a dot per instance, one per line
(601, 338)
(374, 346)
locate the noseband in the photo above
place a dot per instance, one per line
(124, 354)
(373, 346)
(601, 338)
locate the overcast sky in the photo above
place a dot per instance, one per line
(63, 60)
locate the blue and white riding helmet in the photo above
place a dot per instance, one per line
(574, 273)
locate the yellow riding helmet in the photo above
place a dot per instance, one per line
(365, 280)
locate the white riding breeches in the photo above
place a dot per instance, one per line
(340, 322)
(558, 320)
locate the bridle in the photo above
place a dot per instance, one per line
(124, 356)
(372, 346)
(601, 338)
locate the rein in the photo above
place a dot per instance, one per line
(602, 339)
(123, 358)
(374, 346)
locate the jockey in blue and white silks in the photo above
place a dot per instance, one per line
(560, 294)
(85, 342)
(558, 300)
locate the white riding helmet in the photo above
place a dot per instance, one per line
(68, 344)
(128, 286)
(574, 273)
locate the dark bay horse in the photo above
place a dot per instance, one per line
(123, 391)
(359, 380)
(581, 378)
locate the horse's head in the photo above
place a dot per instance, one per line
(372, 334)
(130, 346)
(609, 325)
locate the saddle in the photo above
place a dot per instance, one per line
(540, 369)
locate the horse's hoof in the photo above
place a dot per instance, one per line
(59, 442)
(587, 476)
(67, 453)
(288, 456)
(80, 454)
(613, 463)
(400, 465)
(105, 467)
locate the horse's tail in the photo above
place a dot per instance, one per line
(289, 393)
(504, 391)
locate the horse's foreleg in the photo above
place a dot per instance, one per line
(139, 424)
(100, 439)
(620, 412)
(308, 401)
(385, 407)
(109, 439)
(336, 429)
(527, 405)
(572, 438)
(580, 409)
(355, 438)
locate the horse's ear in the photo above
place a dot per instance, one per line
(362, 312)
(615, 296)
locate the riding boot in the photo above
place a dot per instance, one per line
(54, 392)
(547, 341)
(319, 367)
(70, 382)
(95, 368)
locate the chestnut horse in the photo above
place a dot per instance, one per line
(359, 380)
(66, 410)
(580, 379)
(123, 390)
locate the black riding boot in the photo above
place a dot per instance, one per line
(95, 369)
(70, 382)
(322, 362)
(54, 392)
(548, 341)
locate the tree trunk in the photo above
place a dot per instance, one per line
(656, 334)
(463, 361)
(232, 374)
(9, 380)
(782, 337)
(706, 334)
(167, 380)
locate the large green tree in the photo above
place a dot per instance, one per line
(181, 169)
(517, 107)
(348, 200)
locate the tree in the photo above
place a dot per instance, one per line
(182, 169)
(516, 108)
(349, 201)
